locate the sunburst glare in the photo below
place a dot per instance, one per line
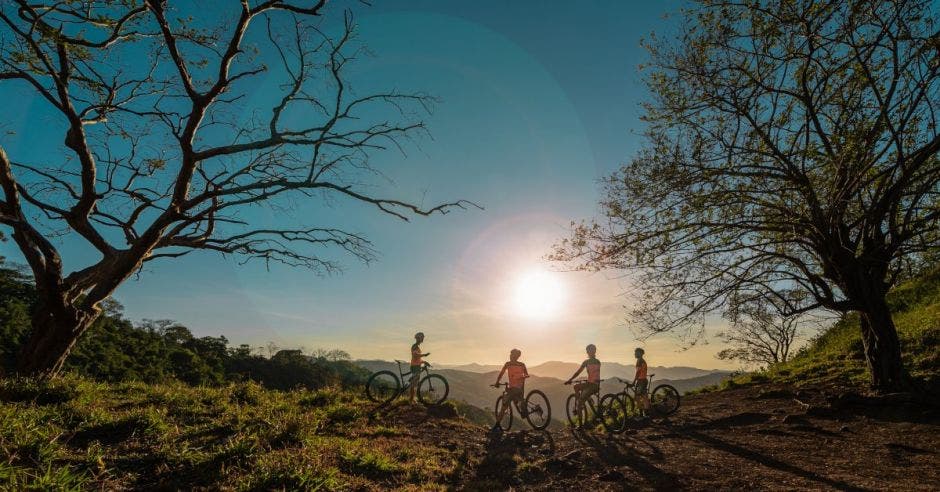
(539, 295)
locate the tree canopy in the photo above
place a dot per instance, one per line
(791, 154)
(174, 122)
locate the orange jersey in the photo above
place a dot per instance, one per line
(641, 369)
(416, 355)
(517, 373)
(593, 367)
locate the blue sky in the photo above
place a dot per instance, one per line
(538, 100)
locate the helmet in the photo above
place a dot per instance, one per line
(420, 334)
(515, 352)
(590, 348)
(639, 351)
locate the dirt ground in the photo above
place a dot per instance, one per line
(750, 438)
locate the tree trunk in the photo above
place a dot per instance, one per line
(882, 347)
(54, 333)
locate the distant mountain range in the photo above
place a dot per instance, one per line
(564, 370)
(473, 386)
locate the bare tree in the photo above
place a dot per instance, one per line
(792, 153)
(333, 355)
(164, 149)
(759, 336)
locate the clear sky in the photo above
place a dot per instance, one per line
(538, 101)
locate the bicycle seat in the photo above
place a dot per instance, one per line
(651, 375)
(399, 361)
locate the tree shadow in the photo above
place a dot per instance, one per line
(895, 407)
(625, 450)
(499, 464)
(765, 460)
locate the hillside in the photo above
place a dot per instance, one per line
(74, 434)
(836, 356)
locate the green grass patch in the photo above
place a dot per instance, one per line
(369, 464)
(75, 434)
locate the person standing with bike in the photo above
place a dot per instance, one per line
(516, 391)
(641, 382)
(593, 367)
(416, 363)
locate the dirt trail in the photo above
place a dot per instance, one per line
(767, 438)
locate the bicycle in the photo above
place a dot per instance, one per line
(537, 410)
(384, 386)
(664, 400)
(586, 413)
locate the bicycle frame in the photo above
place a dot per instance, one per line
(529, 406)
(589, 401)
(405, 376)
(629, 386)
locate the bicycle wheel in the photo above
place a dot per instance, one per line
(539, 410)
(631, 411)
(506, 422)
(589, 412)
(613, 413)
(383, 387)
(433, 389)
(571, 412)
(664, 399)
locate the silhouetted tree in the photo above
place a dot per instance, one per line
(163, 148)
(792, 153)
(758, 335)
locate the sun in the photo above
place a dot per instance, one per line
(538, 295)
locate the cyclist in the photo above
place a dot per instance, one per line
(593, 367)
(516, 390)
(641, 381)
(416, 363)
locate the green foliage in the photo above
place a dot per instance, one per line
(17, 298)
(114, 349)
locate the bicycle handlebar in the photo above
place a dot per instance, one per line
(425, 363)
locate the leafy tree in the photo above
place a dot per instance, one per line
(114, 349)
(792, 154)
(158, 159)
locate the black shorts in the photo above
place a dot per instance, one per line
(415, 374)
(515, 394)
(587, 389)
(642, 386)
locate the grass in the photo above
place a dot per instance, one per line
(76, 434)
(836, 355)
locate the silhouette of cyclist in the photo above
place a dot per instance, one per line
(641, 382)
(416, 363)
(516, 390)
(593, 367)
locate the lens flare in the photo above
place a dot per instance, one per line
(539, 295)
